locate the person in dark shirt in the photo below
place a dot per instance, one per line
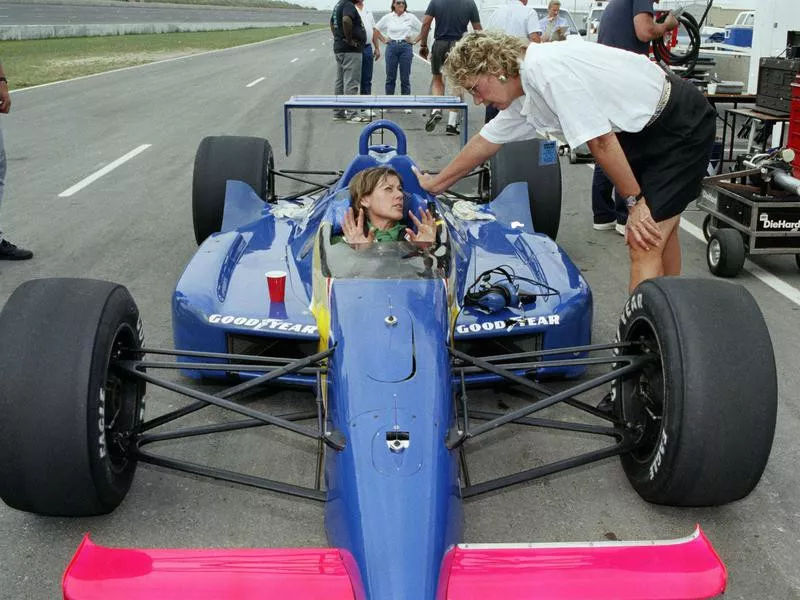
(629, 25)
(349, 39)
(452, 18)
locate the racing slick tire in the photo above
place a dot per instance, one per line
(219, 159)
(520, 161)
(702, 412)
(67, 421)
(725, 253)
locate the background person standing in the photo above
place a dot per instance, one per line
(399, 29)
(8, 251)
(349, 38)
(368, 58)
(514, 18)
(452, 18)
(554, 26)
(629, 25)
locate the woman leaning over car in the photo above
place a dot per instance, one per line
(398, 30)
(651, 132)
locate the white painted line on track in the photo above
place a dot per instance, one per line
(767, 278)
(104, 171)
(255, 82)
(294, 60)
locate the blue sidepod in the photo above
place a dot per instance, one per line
(393, 492)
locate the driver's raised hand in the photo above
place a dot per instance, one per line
(353, 228)
(426, 227)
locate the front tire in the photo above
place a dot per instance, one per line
(219, 159)
(520, 161)
(67, 420)
(703, 412)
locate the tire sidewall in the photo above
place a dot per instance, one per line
(120, 319)
(647, 310)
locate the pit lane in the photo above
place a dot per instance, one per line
(133, 225)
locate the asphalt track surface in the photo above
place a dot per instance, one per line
(133, 225)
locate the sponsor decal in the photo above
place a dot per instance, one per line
(767, 223)
(508, 325)
(709, 197)
(633, 303)
(101, 423)
(659, 458)
(548, 153)
(257, 324)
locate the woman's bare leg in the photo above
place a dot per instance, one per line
(646, 264)
(672, 253)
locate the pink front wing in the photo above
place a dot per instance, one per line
(99, 573)
(670, 570)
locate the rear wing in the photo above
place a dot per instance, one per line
(377, 102)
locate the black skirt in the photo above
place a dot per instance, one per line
(670, 156)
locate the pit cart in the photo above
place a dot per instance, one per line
(753, 210)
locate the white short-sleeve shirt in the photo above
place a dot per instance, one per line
(369, 22)
(516, 19)
(399, 27)
(579, 91)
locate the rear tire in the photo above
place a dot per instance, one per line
(725, 253)
(67, 421)
(519, 161)
(703, 413)
(219, 159)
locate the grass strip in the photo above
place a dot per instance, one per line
(33, 62)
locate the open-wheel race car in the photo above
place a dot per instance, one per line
(388, 339)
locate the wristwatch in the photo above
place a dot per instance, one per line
(631, 201)
(3, 79)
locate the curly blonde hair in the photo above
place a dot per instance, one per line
(480, 52)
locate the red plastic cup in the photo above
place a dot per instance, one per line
(276, 284)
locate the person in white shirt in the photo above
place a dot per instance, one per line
(398, 29)
(368, 59)
(651, 132)
(514, 18)
(554, 26)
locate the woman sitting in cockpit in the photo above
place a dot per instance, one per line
(376, 211)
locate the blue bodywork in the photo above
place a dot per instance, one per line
(390, 314)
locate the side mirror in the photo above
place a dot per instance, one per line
(582, 31)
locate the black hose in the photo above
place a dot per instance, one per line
(687, 59)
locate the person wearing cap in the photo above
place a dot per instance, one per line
(653, 137)
(8, 251)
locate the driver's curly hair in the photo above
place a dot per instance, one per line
(480, 52)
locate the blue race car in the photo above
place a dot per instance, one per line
(389, 339)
